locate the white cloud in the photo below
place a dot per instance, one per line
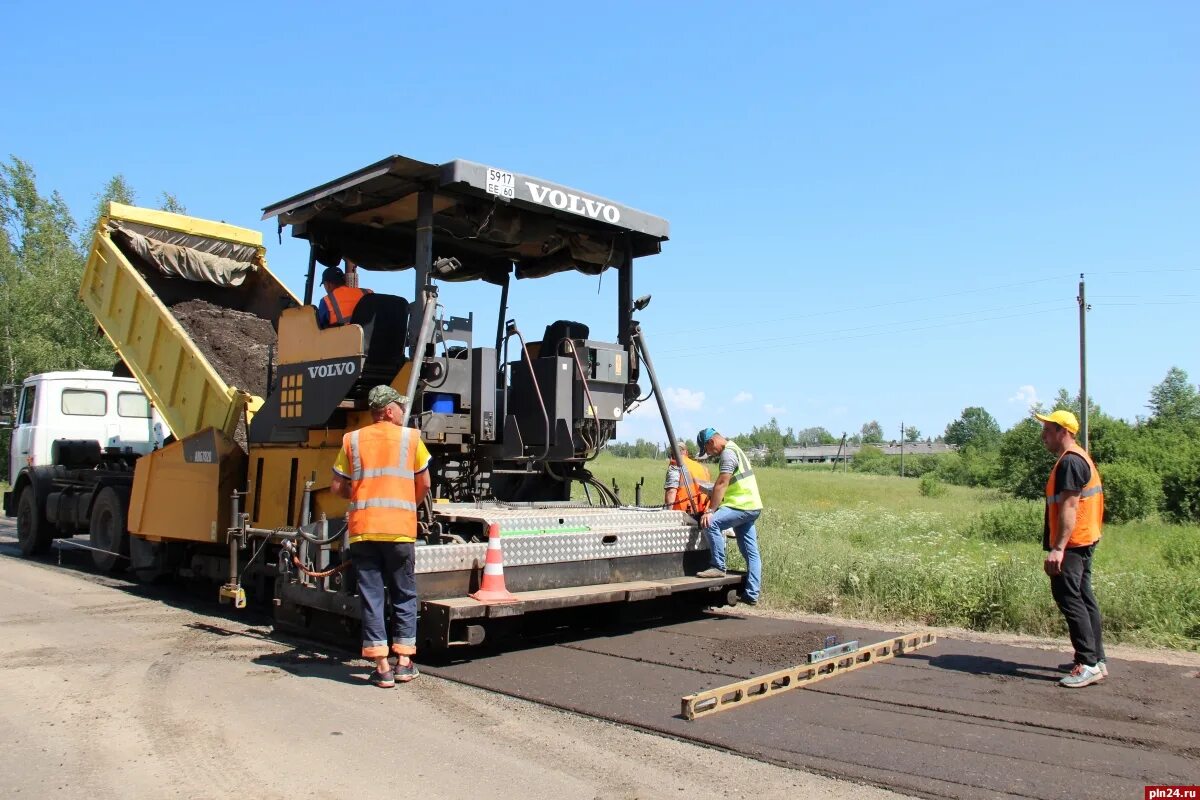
(684, 399)
(743, 397)
(774, 410)
(1026, 395)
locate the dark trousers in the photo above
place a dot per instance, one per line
(1072, 590)
(385, 575)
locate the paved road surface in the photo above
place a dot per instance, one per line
(959, 719)
(109, 692)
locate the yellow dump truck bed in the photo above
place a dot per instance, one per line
(151, 278)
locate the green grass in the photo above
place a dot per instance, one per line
(873, 547)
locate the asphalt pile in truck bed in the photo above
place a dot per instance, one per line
(236, 343)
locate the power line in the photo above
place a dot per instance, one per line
(1153, 303)
(1145, 271)
(1123, 296)
(871, 307)
(757, 346)
(800, 337)
(673, 332)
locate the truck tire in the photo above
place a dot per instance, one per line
(108, 533)
(146, 562)
(33, 529)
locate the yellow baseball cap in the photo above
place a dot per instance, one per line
(1062, 418)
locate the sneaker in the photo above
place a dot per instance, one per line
(1081, 676)
(750, 601)
(384, 680)
(711, 572)
(407, 672)
(1070, 667)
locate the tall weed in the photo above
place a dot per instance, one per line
(1010, 521)
(1181, 551)
(931, 486)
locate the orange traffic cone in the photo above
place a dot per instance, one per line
(492, 590)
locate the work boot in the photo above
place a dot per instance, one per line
(711, 572)
(1081, 676)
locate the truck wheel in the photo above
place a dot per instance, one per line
(146, 561)
(33, 529)
(107, 531)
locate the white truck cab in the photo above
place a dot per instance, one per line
(81, 404)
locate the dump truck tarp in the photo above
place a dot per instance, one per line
(133, 277)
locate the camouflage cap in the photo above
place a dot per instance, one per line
(381, 396)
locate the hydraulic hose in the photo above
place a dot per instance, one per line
(513, 331)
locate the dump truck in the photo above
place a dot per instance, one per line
(258, 397)
(53, 410)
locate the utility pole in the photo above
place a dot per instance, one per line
(1083, 395)
(901, 449)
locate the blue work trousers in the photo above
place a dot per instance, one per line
(385, 575)
(742, 523)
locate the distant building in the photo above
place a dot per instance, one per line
(757, 453)
(829, 453)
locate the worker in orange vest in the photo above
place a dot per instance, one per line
(1074, 519)
(677, 496)
(383, 470)
(337, 306)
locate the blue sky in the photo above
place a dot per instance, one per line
(878, 210)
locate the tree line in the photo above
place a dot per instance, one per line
(770, 439)
(1147, 466)
(44, 326)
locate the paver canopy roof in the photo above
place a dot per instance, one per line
(491, 221)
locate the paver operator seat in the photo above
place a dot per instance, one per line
(384, 320)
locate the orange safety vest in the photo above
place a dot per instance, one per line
(383, 492)
(340, 304)
(1089, 515)
(698, 503)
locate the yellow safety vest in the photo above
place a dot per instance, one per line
(742, 492)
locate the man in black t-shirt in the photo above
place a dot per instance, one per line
(1073, 522)
(1071, 475)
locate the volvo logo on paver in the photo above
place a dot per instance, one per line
(330, 370)
(576, 204)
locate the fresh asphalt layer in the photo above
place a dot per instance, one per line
(956, 719)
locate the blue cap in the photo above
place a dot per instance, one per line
(702, 438)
